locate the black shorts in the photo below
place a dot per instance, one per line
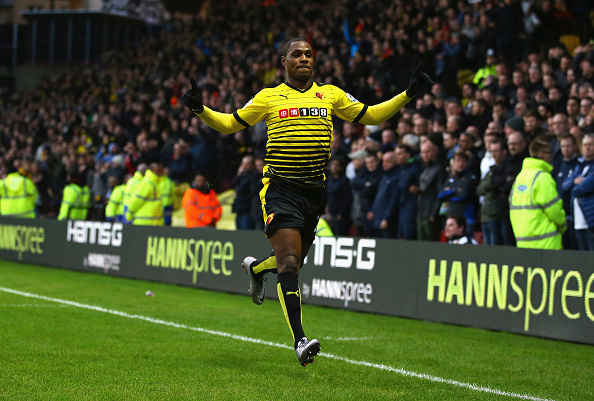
(287, 205)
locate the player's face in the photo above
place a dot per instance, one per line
(299, 62)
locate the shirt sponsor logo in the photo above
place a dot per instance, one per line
(303, 112)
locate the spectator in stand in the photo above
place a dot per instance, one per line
(456, 231)
(404, 127)
(569, 165)
(459, 190)
(559, 128)
(364, 187)
(201, 204)
(533, 125)
(338, 205)
(579, 184)
(487, 159)
(504, 178)
(501, 112)
(256, 204)
(245, 184)
(466, 145)
(514, 124)
(420, 126)
(388, 142)
(454, 125)
(534, 79)
(492, 200)
(180, 164)
(481, 114)
(383, 214)
(357, 158)
(410, 169)
(450, 144)
(585, 107)
(430, 183)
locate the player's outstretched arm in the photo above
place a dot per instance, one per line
(381, 112)
(222, 122)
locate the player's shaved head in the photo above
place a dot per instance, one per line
(287, 45)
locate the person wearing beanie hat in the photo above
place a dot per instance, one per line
(487, 70)
(514, 124)
(436, 138)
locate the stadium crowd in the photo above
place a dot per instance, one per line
(507, 72)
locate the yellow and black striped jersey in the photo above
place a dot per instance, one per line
(299, 128)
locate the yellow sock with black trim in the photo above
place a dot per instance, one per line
(290, 300)
(261, 267)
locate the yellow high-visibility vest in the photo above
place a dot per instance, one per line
(18, 196)
(536, 210)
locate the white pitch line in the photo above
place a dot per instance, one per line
(348, 338)
(31, 306)
(387, 368)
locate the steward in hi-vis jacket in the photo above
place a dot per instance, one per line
(536, 210)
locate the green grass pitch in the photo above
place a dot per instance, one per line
(67, 335)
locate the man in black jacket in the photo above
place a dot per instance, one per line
(246, 186)
(364, 187)
(505, 176)
(430, 184)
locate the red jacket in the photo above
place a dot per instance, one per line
(200, 209)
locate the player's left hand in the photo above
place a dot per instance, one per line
(418, 79)
(193, 98)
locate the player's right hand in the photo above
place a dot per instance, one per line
(193, 98)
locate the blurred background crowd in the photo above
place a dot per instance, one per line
(506, 71)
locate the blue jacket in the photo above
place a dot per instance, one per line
(584, 193)
(567, 169)
(581, 191)
(385, 206)
(460, 193)
(409, 175)
(246, 189)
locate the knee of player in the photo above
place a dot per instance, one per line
(288, 264)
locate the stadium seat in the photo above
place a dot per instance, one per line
(570, 42)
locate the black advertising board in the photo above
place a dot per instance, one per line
(541, 293)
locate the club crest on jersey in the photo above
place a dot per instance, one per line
(320, 95)
(269, 218)
(351, 97)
